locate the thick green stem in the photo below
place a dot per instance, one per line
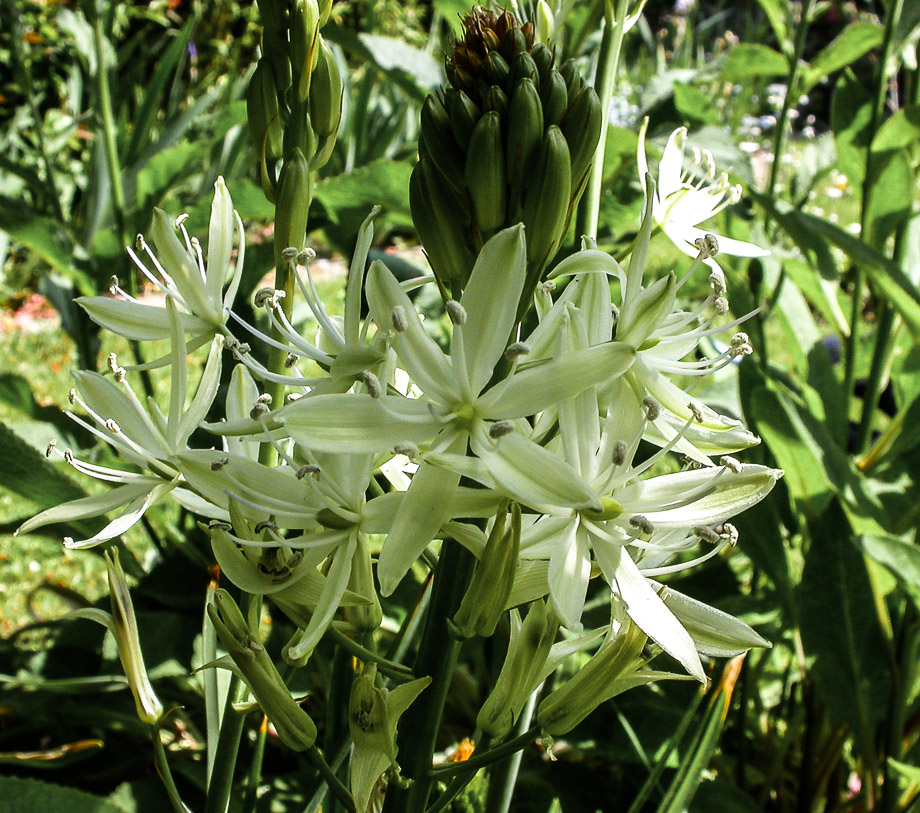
(437, 656)
(250, 800)
(228, 745)
(604, 82)
(503, 777)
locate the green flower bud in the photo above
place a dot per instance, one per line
(366, 617)
(484, 602)
(264, 114)
(304, 45)
(294, 726)
(521, 672)
(601, 678)
(325, 104)
(295, 192)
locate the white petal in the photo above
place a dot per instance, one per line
(204, 395)
(727, 245)
(220, 240)
(672, 160)
(128, 519)
(490, 300)
(569, 570)
(134, 320)
(182, 267)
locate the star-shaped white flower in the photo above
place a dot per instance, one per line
(688, 196)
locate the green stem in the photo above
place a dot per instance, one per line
(437, 656)
(396, 671)
(859, 276)
(605, 79)
(228, 746)
(332, 780)
(162, 766)
(250, 800)
(503, 777)
(795, 71)
(487, 757)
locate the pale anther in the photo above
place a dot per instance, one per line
(218, 464)
(517, 349)
(730, 534)
(258, 410)
(111, 361)
(288, 254)
(721, 306)
(717, 282)
(266, 525)
(372, 384)
(68, 456)
(120, 374)
(456, 312)
(407, 448)
(732, 464)
(72, 396)
(707, 533)
(620, 450)
(303, 471)
(181, 219)
(400, 322)
(304, 257)
(264, 398)
(652, 408)
(500, 429)
(642, 524)
(696, 410)
(112, 426)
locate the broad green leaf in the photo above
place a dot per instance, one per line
(752, 60)
(901, 130)
(30, 795)
(163, 171)
(693, 104)
(776, 16)
(900, 557)
(851, 119)
(840, 628)
(854, 41)
(891, 195)
(348, 198)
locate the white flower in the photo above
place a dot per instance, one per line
(195, 287)
(686, 197)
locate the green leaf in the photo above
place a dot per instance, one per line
(855, 40)
(693, 104)
(30, 795)
(891, 195)
(851, 120)
(162, 172)
(751, 61)
(776, 16)
(901, 558)
(901, 130)
(348, 198)
(840, 628)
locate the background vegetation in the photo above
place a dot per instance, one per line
(113, 108)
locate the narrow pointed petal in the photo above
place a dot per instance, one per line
(730, 494)
(220, 240)
(569, 571)
(535, 476)
(653, 617)
(204, 395)
(85, 507)
(134, 320)
(672, 160)
(425, 508)
(490, 300)
(241, 396)
(727, 245)
(181, 266)
(418, 354)
(358, 424)
(128, 519)
(534, 389)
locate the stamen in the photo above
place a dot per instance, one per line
(372, 384)
(642, 524)
(400, 322)
(217, 465)
(721, 305)
(620, 450)
(408, 449)
(51, 444)
(304, 257)
(500, 429)
(516, 350)
(707, 533)
(652, 408)
(456, 312)
(258, 410)
(112, 426)
(289, 254)
(310, 468)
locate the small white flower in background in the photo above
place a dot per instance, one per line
(688, 196)
(196, 287)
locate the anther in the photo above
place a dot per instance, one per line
(181, 219)
(500, 429)
(400, 321)
(717, 282)
(620, 450)
(68, 456)
(731, 463)
(729, 534)
(516, 350)
(288, 254)
(642, 524)
(266, 525)
(72, 396)
(721, 306)
(258, 410)
(264, 398)
(456, 312)
(51, 444)
(217, 465)
(407, 448)
(113, 427)
(303, 471)
(652, 408)
(120, 374)
(696, 410)
(372, 384)
(111, 361)
(707, 533)
(304, 257)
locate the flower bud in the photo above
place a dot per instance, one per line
(304, 45)
(484, 602)
(293, 724)
(295, 191)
